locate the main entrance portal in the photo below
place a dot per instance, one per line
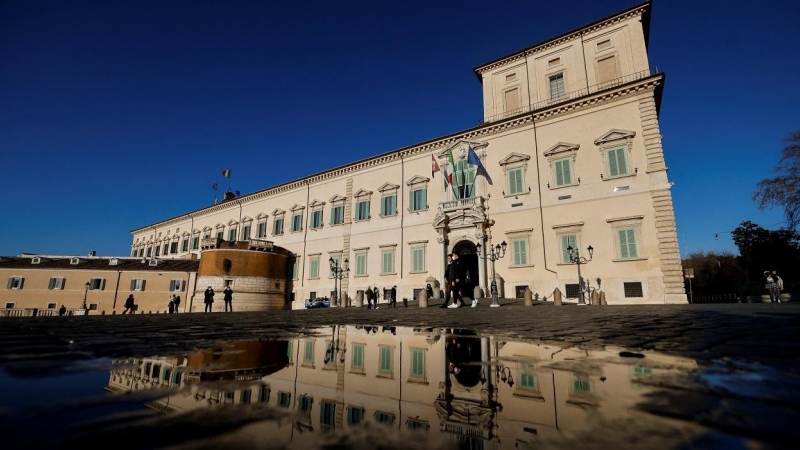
(468, 255)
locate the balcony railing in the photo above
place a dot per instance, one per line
(461, 203)
(570, 96)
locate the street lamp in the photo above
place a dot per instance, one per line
(85, 293)
(576, 258)
(338, 273)
(494, 254)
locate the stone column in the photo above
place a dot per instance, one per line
(482, 270)
(485, 360)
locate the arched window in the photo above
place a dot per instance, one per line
(464, 179)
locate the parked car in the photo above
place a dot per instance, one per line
(319, 302)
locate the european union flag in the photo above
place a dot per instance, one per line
(473, 159)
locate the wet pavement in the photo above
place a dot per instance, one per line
(715, 376)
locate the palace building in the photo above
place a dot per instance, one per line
(568, 155)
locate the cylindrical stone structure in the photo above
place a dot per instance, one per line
(603, 298)
(345, 300)
(423, 299)
(595, 298)
(557, 297)
(360, 299)
(528, 297)
(259, 278)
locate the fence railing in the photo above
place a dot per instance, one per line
(572, 95)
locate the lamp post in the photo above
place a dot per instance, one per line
(576, 258)
(495, 253)
(85, 293)
(338, 273)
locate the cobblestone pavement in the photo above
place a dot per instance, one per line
(754, 333)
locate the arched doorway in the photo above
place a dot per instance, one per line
(468, 255)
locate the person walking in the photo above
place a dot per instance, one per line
(774, 286)
(208, 299)
(457, 275)
(447, 282)
(228, 298)
(393, 300)
(177, 303)
(62, 310)
(368, 296)
(171, 305)
(375, 296)
(130, 305)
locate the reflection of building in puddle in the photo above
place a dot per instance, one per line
(477, 391)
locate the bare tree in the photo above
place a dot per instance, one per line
(784, 189)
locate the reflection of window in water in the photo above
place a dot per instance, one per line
(467, 442)
(147, 367)
(327, 413)
(289, 351)
(246, 395)
(580, 385)
(641, 370)
(355, 415)
(229, 396)
(418, 364)
(156, 372)
(417, 425)
(308, 353)
(386, 418)
(284, 399)
(304, 405)
(357, 361)
(263, 394)
(385, 363)
(177, 378)
(329, 353)
(167, 373)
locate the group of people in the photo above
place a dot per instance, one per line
(208, 298)
(457, 281)
(372, 296)
(774, 286)
(174, 303)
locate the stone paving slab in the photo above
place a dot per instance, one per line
(756, 333)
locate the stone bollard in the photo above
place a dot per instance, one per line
(603, 298)
(477, 293)
(528, 296)
(557, 297)
(345, 300)
(595, 298)
(423, 299)
(360, 299)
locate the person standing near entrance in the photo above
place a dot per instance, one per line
(457, 275)
(208, 299)
(228, 298)
(447, 283)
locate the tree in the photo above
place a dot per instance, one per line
(784, 189)
(761, 249)
(714, 273)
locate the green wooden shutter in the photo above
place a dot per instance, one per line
(632, 251)
(424, 196)
(566, 170)
(566, 241)
(520, 253)
(560, 172)
(411, 204)
(133, 284)
(361, 264)
(622, 165)
(613, 168)
(623, 244)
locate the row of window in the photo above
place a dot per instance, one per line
(357, 350)
(94, 284)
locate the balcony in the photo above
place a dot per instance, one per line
(569, 96)
(461, 203)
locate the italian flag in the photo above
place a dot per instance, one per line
(226, 173)
(450, 170)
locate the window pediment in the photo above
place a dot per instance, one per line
(561, 147)
(220, 225)
(417, 179)
(388, 187)
(313, 204)
(261, 216)
(232, 223)
(362, 193)
(207, 228)
(278, 212)
(176, 236)
(197, 230)
(459, 149)
(185, 234)
(337, 198)
(297, 207)
(247, 219)
(614, 135)
(514, 158)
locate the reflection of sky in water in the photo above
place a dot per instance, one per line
(402, 388)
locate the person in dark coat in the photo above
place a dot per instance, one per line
(171, 306)
(447, 283)
(375, 296)
(457, 273)
(393, 300)
(130, 305)
(369, 296)
(177, 303)
(62, 310)
(208, 299)
(228, 298)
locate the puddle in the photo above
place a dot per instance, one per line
(405, 388)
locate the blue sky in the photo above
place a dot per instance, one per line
(114, 115)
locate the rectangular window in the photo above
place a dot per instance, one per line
(573, 290)
(297, 222)
(607, 70)
(56, 284)
(313, 270)
(627, 243)
(173, 248)
(97, 284)
(166, 248)
(327, 414)
(308, 353)
(362, 210)
(150, 251)
(417, 425)
(633, 289)
(52, 305)
(330, 354)
(389, 205)
(557, 86)
(277, 226)
(418, 259)
(316, 219)
(357, 363)
(295, 269)
(284, 399)
(516, 185)
(337, 215)
(527, 380)
(245, 397)
(355, 415)
(304, 405)
(568, 240)
(419, 200)
(10, 305)
(232, 234)
(387, 260)
(158, 250)
(384, 418)
(418, 363)
(245, 233)
(520, 247)
(219, 233)
(177, 285)
(195, 243)
(261, 230)
(263, 394)
(563, 172)
(185, 245)
(512, 100)
(207, 235)
(617, 162)
(137, 284)
(15, 283)
(361, 264)
(385, 362)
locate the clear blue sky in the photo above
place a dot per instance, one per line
(117, 114)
